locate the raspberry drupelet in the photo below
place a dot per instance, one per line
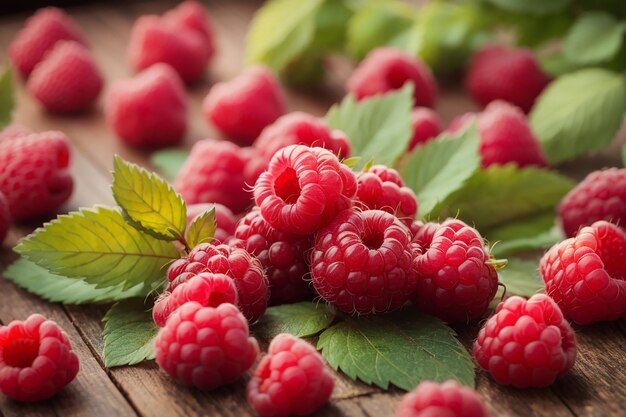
(448, 399)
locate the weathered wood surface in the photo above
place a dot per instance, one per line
(595, 387)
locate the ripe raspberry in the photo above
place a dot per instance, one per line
(387, 69)
(586, 274)
(282, 254)
(499, 73)
(36, 359)
(362, 263)
(527, 343)
(40, 33)
(216, 172)
(5, 217)
(303, 189)
(191, 14)
(426, 126)
(454, 281)
(299, 128)
(423, 234)
(67, 80)
(242, 107)
(600, 196)
(291, 379)
(206, 347)
(449, 399)
(14, 130)
(34, 175)
(382, 188)
(225, 220)
(246, 271)
(150, 109)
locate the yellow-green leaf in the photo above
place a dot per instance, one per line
(202, 228)
(7, 99)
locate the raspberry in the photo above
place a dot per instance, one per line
(36, 359)
(382, 188)
(423, 234)
(246, 271)
(67, 80)
(303, 189)
(527, 343)
(499, 73)
(600, 196)
(460, 122)
(586, 274)
(225, 220)
(216, 172)
(193, 15)
(291, 379)
(454, 281)
(362, 263)
(299, 128)
(206, 347)
(426, 125)
(282, 254)
(207, 289)
(150, 109)
(14, 130)
(242, 107)
(5, 217)
(40, 33)
(449, 399)
(388, 69)
(34, 174)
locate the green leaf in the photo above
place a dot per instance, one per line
(441, 167)
(379, 128)
(202, 228)
(98, 245)
(403, 349)
(129, 333)
(595, 37)
(535, 232)
(56, 288)
(299, 319)
(579, 112)
(7, 96)
(532, 6)
(148, 201)
(169, 161)
(521, 278)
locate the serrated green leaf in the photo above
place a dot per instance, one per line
(202, 228)
(98, 245)
(579, 112)
(56, 288)
(595, 37)
(299, 319)
(532, 6)
(379, 128)
(441, 167)
(7, 97)
(521, 278)
(535, 232)
(403, 349)
(129, 333)
(148, 200)
(169, 161)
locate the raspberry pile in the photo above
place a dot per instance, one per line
(449, 399)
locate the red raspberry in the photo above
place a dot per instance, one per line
(193, 15)
(40, 33)
(586, 274)
(454, 281)
(36, 359)
(382, 188)
(207, 289)
(216, 172)
(291, 379)
(303, 189)
(150, 109)
(362, 262)
(387, 69)
(34, 174)
(225, 220)
(5, 217)
(499, 73)
(242, 107)
(67, 80)
(299, 128)
(206, 347)
(423, 234)
(527, 343)
(283, 255)
(600, 196)
(449, 399)
(14, 130)
(426, 125)
(237, 263)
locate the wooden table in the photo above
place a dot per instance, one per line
(595, 387)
